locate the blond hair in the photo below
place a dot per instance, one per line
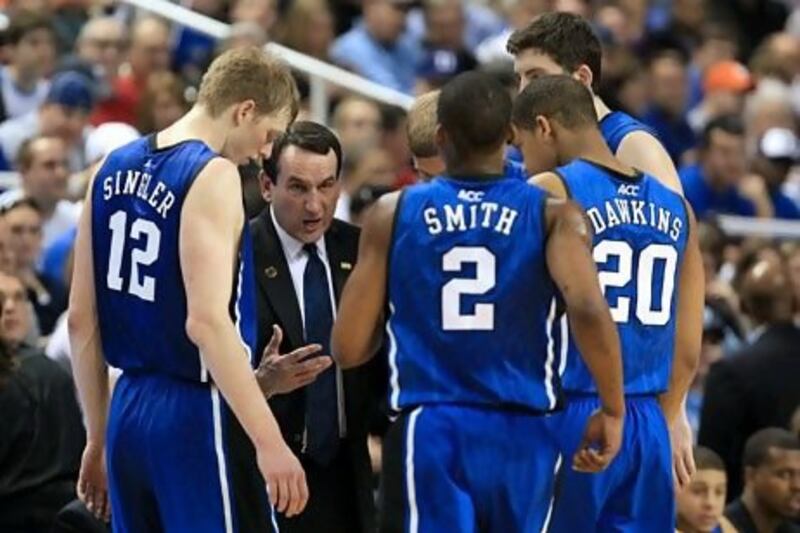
(421, 126)
(248, 74)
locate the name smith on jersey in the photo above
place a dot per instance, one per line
(461, 217)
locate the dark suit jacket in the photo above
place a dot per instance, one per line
(277, 304)
(752, 390)
(76, 518)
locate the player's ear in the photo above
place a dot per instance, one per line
(544, 127)
(244, 111)
(749, 474)
(513, 135)
(584, 75)
(440, 137)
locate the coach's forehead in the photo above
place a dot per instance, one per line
(307, 165)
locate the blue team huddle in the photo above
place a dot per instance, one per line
(540, 335)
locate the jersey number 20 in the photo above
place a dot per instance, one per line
(143, 231)
(620, 310)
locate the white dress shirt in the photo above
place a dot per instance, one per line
(297, 259)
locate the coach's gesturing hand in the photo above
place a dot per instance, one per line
(601, 441)
(93, 482)
(285, 478)
(280, 374)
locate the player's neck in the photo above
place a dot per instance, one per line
(478, 165)
(762, 518)
(600, 107)
(590, 145)
(196, 124)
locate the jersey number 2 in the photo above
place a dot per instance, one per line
(144, 288)
(620, 311)
(482, 318)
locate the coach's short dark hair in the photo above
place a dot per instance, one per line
(26, 22)
(757, 447)
(567, 38)
(707, 459)
(474, 110)
(731, 124)
(560, 98)
(309, 136)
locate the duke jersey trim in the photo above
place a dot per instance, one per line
(473, 315)
(137, 201)
(640, 233)
(616, 125)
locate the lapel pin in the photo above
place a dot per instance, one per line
(344, 265)
(271, 272)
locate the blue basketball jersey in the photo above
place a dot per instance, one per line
(616, 125)
(472, 306)
(640, 233)
(137, 200)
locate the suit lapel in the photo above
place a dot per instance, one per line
(275, 280)
(340, 267)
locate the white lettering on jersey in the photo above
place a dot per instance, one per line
(628, 189)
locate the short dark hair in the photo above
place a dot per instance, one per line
(731, 124)
(309, 136)
(707, 459)
(474, 110)
(392, 117)
(561, 98)
(24, 201)
(25, 22)
(757, 447)
(565, 37)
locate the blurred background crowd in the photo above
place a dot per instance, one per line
(717, 80)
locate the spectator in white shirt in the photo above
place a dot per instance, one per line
(31, 49)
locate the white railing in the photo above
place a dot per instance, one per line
(759, 227)
(320, 73)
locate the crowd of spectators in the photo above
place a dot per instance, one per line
(718, 81)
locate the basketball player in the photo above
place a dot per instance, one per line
(421, 132)
(652, 275)
(477, 267)
(564, 43)
(163, 291)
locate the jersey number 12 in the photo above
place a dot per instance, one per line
(141, 230)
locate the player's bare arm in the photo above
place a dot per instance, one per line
(572, 267)
(642, 151)
(89, 368)
(357, 332)
(689, 328)
(211, 225)
(688, 342)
